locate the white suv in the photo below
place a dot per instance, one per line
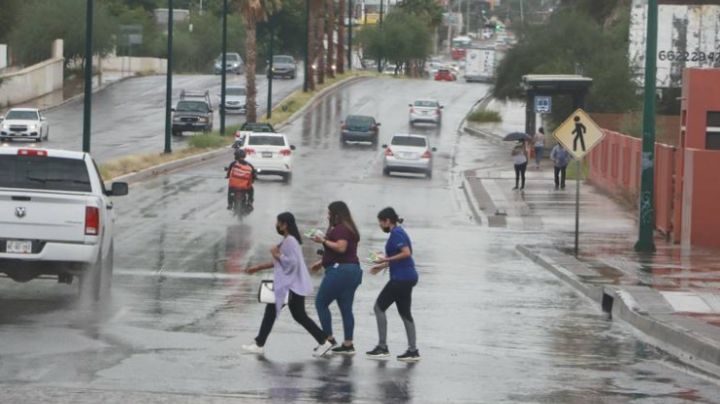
(56, 218)
(269, 153)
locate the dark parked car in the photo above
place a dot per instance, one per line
(257, 127)
(284, 66)
(360, 128)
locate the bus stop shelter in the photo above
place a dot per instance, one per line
(538, 85)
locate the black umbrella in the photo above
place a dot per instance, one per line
(511, 137)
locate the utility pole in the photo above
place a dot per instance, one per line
(645, 241)
(223, 80)
(467, 17)
(380, 21)
(168, 85)
(270, 69)
(350, 27)
(87, 103)
(307, 47)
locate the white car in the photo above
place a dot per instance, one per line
(410, 154)
(269, 153)
(235, 99)
(56, 218)
(24, 123)
(426, 111)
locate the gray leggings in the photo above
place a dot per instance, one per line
(400, 293)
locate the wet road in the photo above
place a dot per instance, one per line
(492, 326)
(129, 117)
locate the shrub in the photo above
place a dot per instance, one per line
(484, 116)
(207, 141)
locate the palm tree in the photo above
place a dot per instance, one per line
(330, 33)
(254, 11)
(319, 36)
(340, 60)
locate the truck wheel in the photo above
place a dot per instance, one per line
(176, 133)
(107, 274)
(90, 282)
(287, 177)
(386, 172)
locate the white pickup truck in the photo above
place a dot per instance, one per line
(56, 218)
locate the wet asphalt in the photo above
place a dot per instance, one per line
(492, 326)
(129, 117)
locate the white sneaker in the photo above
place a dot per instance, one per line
(253, 348)
(323, 349)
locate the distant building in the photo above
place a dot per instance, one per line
(161, 16)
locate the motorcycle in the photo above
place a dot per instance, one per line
(241, 206)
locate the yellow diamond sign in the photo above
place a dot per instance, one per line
(578, 134)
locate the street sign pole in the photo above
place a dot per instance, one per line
(223, 80)
(87, 103)
(578, 174)
(168, 85)
(645, 241)
(380, 21)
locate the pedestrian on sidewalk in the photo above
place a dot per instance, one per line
(520, 159)
(342, 273)
(403, 278)
(539, 143)
(560, 158)
(290, 277)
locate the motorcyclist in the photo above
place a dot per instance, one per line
(241, 176)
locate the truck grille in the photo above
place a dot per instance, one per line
(189, 119)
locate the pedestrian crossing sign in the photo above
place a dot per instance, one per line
(578, 134)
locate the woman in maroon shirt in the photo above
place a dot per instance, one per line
(342, 273)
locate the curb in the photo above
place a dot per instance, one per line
(165, 168)
(657, 329)
(472, 201)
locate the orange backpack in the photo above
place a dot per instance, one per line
(241, 176)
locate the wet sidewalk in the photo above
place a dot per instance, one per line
(672, 297)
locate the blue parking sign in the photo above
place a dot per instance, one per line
(543, 104)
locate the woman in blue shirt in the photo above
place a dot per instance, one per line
(403, 278)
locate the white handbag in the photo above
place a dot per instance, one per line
(266, 292)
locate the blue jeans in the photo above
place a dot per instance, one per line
(338, 284)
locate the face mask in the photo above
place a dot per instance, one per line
(279, 231)
(386, 229)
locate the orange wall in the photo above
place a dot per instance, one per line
(701, 216)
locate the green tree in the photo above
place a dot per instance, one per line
(404, 39)
(8, 18)
(196, 50)
(52, 20)
(548, 49)
(430, 10)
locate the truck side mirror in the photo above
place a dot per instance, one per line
(119, 189)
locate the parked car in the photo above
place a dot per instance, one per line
(359, 128)
(426, 111)
(235, 100)
(193, 113)
(56, 218)
(284, 66)
(445, 75)
(410, 154)
(233, 64)
(270, 153)
(24, 123)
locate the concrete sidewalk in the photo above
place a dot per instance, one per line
(672, 297)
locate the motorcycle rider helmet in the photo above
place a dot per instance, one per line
(239, 154)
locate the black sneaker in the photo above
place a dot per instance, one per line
(378, 353)
(344, 350)
(409, 356)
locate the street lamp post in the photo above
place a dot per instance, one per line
(350, 27)
(645, 241)
(307, 47)
(270, 69)
(87, 104)
(379, 59)
(223, 80)
(168, 85)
